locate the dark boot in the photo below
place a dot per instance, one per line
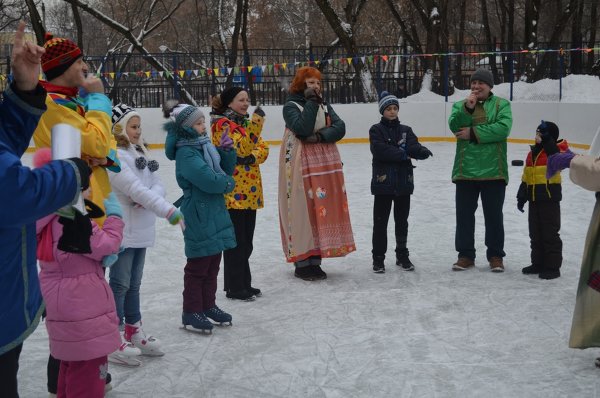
(318, 272)
(404, 262)
(305, 273)
(378, 265)
(549, 274)
(243, 295)
(532, 270)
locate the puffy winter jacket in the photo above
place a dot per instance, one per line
(208, 227)
(26, 195)
(92, 117)
(142, 197)
(483, 157)
(392, 145)
(80, 307)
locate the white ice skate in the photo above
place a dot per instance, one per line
(126, 355)
(148, 345)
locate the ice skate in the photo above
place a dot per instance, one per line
(198, 321)
(148, 345)
(218, 315)
(126, 355)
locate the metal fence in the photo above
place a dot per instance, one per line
(267, 73)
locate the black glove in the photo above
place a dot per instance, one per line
(522, 197)
(76, 234)
(250, 159)
(84, 172)
(312, 95)
(259, 111)
(314, 138)
(425, 153)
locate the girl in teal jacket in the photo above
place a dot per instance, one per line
(204, 173)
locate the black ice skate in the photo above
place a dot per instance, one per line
(198, 321)
(218, 315)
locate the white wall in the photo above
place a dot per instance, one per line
(578, 122)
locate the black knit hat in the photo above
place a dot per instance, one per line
(229, 94)
(483, 75)
(550, 128)
(386, 99)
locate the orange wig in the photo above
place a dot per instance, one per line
(306, 72)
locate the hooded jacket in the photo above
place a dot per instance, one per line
(208, 228)
(26, 195)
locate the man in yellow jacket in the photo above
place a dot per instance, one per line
(66, 74)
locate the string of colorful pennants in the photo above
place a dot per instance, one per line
(276, 67)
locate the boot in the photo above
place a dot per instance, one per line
(549, 274)
(305, 273)
(243, 295)
(378, 264)
(531, 270)
(405, 263)
(218, 315)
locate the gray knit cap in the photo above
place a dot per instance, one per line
(483, 75)
(186, 115)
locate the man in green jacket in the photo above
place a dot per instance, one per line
(481, 124)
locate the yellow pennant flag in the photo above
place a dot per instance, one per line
(112, 75)
(181, 73)
(147, 73)
(216, 70)
(249, 69)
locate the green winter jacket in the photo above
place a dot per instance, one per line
(208, 228)
(484, 156)
(302, 122)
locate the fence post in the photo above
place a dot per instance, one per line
(446, 76)
(176, 77)
(511, 73)
(561, 62)
(213, 88)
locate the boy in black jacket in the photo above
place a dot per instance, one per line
(544, 196)
(392, 145)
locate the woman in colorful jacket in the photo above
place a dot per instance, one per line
(230, 114)
(313, 208)
(481, 124)
(26, 195)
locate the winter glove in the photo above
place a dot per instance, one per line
(314, 138)
(76, 234)
(109, 260)
(259, 111)
(175, 217)
(226, 143)
(522, 197)
(246, 160)
(84, 172)
(112, 206)
(558, 162)
(425, 153)
(312, 95)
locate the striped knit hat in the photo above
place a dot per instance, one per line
(386, 99)
(186, 115)
(59, 56)
(121, 114)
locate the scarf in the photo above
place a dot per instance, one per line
(211, 155)
(237, 118)
(65, 96)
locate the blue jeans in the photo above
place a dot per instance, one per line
(125, 280)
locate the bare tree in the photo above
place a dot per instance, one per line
(344, 32)
(36, 22)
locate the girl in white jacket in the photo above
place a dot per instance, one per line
(142, 196)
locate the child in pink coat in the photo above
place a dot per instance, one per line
(80, 309)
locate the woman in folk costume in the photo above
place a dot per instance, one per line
(585, 172)
(313, 207)
(230, 116)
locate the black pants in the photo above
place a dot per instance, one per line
(544, 224)
(52, 371)
(381, 214)
(236, 273)
(9, 366)
(492, 200)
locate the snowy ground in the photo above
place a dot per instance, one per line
(432, 332)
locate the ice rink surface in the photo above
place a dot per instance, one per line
(428, 333)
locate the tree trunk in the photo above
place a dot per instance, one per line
(561, 23)
(530, 39)
(593, 28)
(247, 54)
(490, 42)
(576, 57)
(239, 11)
(36, 22)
